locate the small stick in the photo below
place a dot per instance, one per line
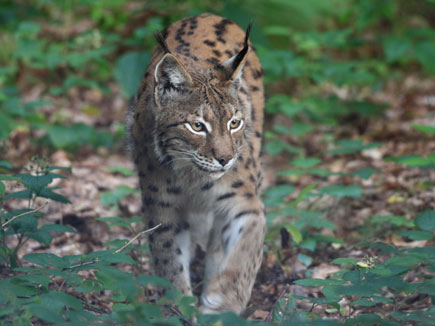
(283, 292)
(135, 237)
(116, 252)
(17, 216)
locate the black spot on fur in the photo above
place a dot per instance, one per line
(182, 227)
(226, 196)
(207, 186)
(257, 74)
(163, 204)
(237, 184)
(243, 90)
(163, 228)
(174, 190)
(178, 251)
(217, 53)
(210, 43)
(213, 61)
(228, 53)
(148, 201)
(252, 178)
(247, 212)
(167, 244)
(254, 89)
(258, 134)
(153, 188)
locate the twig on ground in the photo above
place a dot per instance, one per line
(135, 237)
(19, 215)
(96, 260)
(281, 295)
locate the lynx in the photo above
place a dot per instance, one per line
(195, 129)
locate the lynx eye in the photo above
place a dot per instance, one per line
(235, 124)
(198, 126)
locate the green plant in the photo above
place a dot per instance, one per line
(22, 224)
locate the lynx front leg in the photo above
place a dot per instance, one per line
(233, 258)
(170, 248)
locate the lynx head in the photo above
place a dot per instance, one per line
(200, 121)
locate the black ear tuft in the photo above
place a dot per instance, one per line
(242, 54)
(162, 42)
(231, 70)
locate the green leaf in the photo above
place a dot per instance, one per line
(76, 135)
(415, 160)
(112, 197)
(305, 163)
(9, 178)
(426, 220)
(45, 259)
(38, 280)
(42, 237)
(363, 302)
(58, 300)
(120, 221)
(2, 189)
(424, 52)
(37, 183)
(274, 147)
(430, 130)
(363, 173)
(394, 220)
(276, 195)
(121, 170)
(417, 235)
(364, 320)
(404, 260)
(23, 194)
(295, 233)
(350, 146)
(56, 228)
(146, 280)
(312, 282)
(341, 261)
(129, 70)
(5, 165)
(378, 299)
(24, 223)
(397, 49)
(48, 193)
(309, 244)
(304, 259)
(341, 191)
(46, 313)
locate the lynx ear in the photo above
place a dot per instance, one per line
(170, 78)
(232, 68)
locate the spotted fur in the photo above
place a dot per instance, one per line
(195, 130)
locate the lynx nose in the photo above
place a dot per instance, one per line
(223, 160)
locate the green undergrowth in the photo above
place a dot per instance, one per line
(322, 60)
(57, 290)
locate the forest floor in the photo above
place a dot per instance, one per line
(392, 190)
